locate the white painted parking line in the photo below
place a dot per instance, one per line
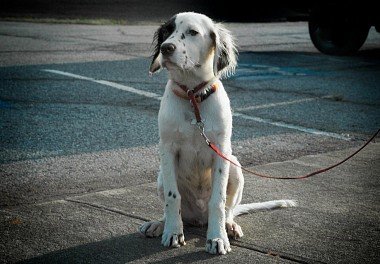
(235, 113)
(107, 83)
(291, 126)
(242, 109)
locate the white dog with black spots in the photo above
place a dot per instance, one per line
(197, 186)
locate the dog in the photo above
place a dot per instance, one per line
(197, 186)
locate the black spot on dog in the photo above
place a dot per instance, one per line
(223, 59)
(220, 171)
(184, 52)
(166, 205)
(213, 37)
(170, 193)
(183, 36)
(179, 212)
(174, 195)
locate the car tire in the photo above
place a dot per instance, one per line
(337, 33)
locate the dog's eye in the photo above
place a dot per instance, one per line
(192, 32)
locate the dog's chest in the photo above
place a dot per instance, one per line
(177, 123)
(194, 180)
(194, 158)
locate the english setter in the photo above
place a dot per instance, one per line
(196, 185)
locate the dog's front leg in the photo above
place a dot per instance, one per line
(217, 239)
(173, 229)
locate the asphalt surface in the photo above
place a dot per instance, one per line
(79, 153)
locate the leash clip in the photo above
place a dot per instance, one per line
(201, 127)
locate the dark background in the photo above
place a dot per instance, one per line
(154, 10)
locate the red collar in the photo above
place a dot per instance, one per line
(199, 97)
(191, 94)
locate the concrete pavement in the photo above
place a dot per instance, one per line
(337, 220)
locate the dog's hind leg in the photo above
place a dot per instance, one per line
(234, 196)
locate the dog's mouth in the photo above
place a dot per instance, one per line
(187, 65)
(168, 62)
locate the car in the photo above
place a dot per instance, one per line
(335, 27)
(341, 28)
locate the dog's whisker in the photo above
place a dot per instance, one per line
(193, 64)
(191, 61)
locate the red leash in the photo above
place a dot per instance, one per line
(191, 95)
(220, 154)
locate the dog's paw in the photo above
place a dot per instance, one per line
(152, 228)
(170, 239)
(234, 230)
(218, 246)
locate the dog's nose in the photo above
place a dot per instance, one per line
(167, 49)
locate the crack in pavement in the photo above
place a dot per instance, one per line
(276, 253)
(199, 232)
(261, 250)
(113, 210)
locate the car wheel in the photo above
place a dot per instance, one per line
(337, 34)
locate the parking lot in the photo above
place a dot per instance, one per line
(79, 110)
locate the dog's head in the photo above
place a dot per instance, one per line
(193, 42)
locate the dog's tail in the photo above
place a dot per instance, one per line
(270, 205)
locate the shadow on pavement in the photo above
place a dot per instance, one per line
(132, 247)
(369, 54)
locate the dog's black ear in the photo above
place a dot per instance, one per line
(225, 51)
(155, 65)
(161, 34)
